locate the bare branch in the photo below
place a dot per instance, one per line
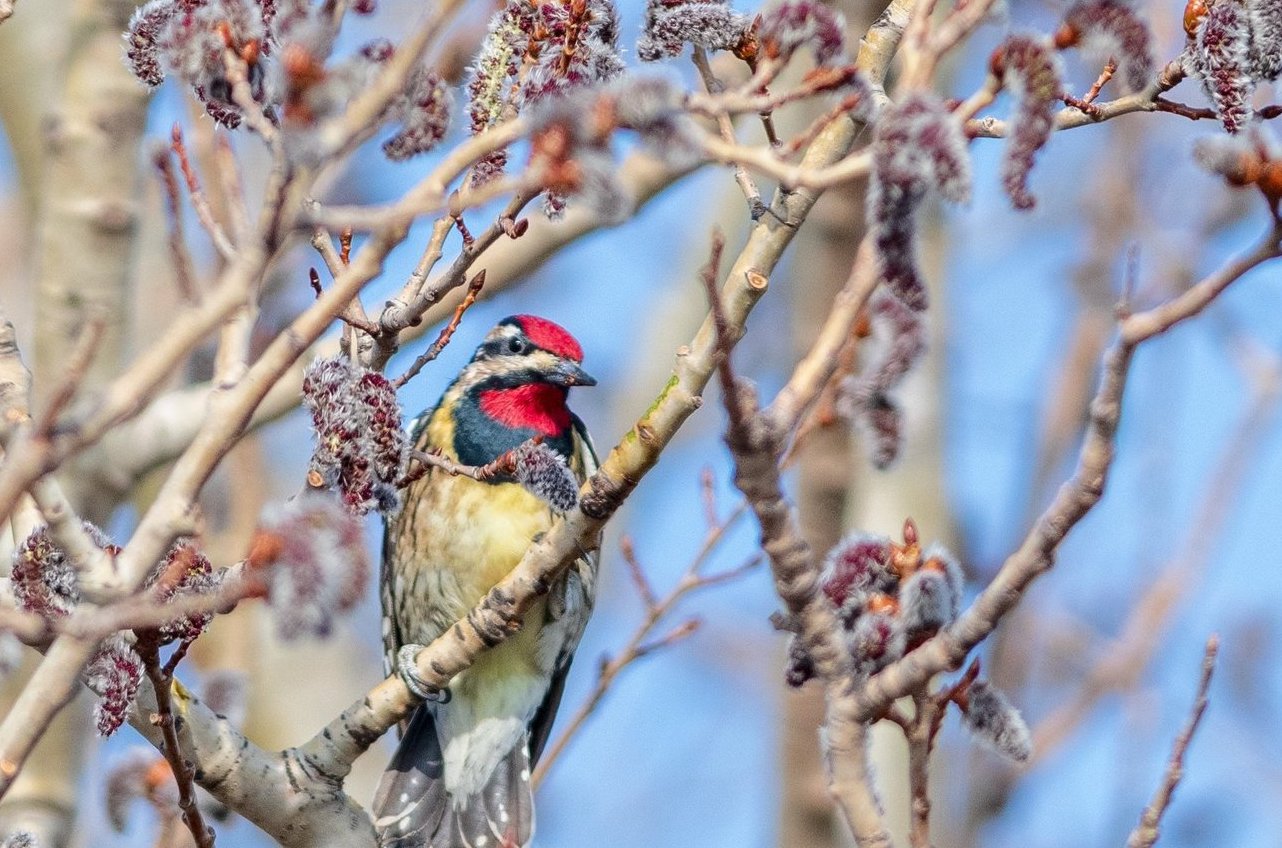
(725, 127)
(178, 764)
(447, 332)
(1147, 831)
(197, 195)
(637, 646)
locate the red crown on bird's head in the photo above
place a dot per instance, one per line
(548, 335)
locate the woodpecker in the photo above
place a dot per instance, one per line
(461, 775)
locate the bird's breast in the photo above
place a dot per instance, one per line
(456, 538)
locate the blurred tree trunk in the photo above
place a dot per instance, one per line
(837, 488)
(825, 253)
(914, 487)
(88, 210)
(78, 169)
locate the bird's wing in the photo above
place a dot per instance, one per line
(393, 638)
(569, 606)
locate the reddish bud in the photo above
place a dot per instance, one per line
(858, 564)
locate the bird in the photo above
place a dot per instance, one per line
(460, 777)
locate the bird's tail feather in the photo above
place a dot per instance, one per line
(412, 808)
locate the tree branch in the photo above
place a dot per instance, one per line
(947, 650)
(1147, 831)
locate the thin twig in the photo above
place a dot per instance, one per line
(181, 257)
(920, 736)
(1148, 830)
(45, 424)
(353, 313)
(182, 769)
(639, 579)
(406, 310)
(199, 202)
(229, 179)
(1105, 75)
(756, 208)
(504, 464)
(447, 332)
(431, 255)
(136, 612)
(637, 646)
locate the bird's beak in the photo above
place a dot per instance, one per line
(569, 373)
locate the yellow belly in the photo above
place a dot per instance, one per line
(456, 539)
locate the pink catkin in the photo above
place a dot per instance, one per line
(1031, 72)
(114, 674)
(1107, 28)
(669, 26)
(197, 577)
(918, 146)
(793, 24)
(322, 567)
(361, 447)
(1223, 59)
(544, 474)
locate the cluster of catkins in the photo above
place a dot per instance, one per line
(311, 555)
(44, 582)
(535, 51)
(282, 48)
(775, 34)
(1233, 46)
(889, 598)
(361, 447)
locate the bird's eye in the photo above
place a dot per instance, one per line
(516, 346)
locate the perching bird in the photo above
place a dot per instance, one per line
(461, 776)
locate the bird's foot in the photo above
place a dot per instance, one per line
(407, 671)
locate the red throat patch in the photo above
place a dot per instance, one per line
(551, 337)
(535, 406)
